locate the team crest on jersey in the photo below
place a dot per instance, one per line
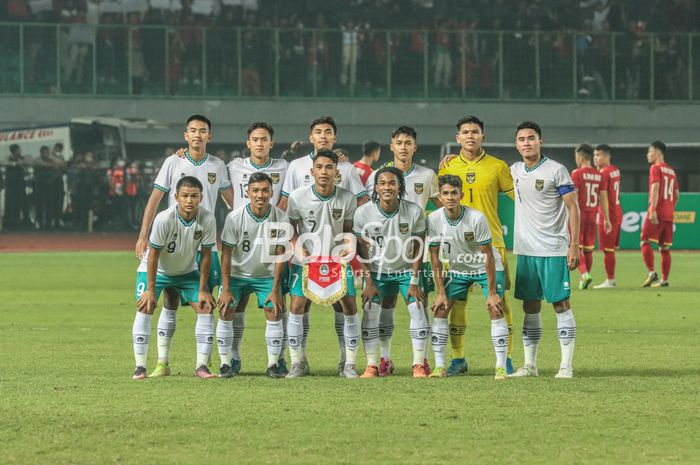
(418, 187)
(198, 235)
(469, 236)
(211, 177)
(403, 228)
(338, 179)
(337, 214)
(273, 233)
(471, 178)
(275, 178)
(539, 184)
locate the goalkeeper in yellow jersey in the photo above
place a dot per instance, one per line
(484, 176)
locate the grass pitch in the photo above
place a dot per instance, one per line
(66, 394)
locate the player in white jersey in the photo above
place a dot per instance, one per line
(170, 264)
(323, 135)
(547, 222)
(421, 187)
(391, 234)
(211, 173)
(324, 211)
(460, 236)
(259, 141)
(251, 241)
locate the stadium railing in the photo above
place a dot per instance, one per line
(148, 60)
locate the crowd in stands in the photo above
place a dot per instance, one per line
(348, 52)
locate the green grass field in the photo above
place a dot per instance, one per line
(66, 394)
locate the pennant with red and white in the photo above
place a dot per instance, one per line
(324, 280)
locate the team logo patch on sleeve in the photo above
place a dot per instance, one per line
(211, 177)
(471, 178)
(469, 236)
(539, 184)
(403, 228)
(198, 235)
(418, 187)
(337, 213)
(275, 178)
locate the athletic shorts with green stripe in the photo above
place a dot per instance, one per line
(296, 287)
(242, 287)
(214, 270)
(389, 285)
(186, 284)
(457, 284)
(538, 278)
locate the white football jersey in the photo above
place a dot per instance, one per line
(240, 169)
(179, 240)
(299, 175)
(421, 184)
(460, 241)
(322, 216)
(254, 240)
(541, 221)
(390, 248)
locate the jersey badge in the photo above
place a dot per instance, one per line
(338, 179)
(418, 187)
(403, 228)
(337, 214)
(198, 235)
(471, 178)
(539, 184)
(211, 177)
(275, 178)
(469, 236)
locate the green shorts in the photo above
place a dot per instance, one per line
(241, 287)
(457, 285)
(542, 277)
(214, 270)
(296, 287)
(389, 285)
(187, 284)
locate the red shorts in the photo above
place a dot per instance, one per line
(608, 242)
(586, 237)
(661, 233)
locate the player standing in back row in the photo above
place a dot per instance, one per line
(658, 225)
(609, 213)
(544, 202)
(587, 183)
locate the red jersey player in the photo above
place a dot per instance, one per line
(587, 183)
(609, 212)
(658, 225)
(370, 154)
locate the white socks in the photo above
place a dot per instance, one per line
(351, 330)
(419, 330)
(238, 328)
(307, 325)
(204, 335)
(441, 333)
(224, 340)
(532, 333)
(166, 331)
(566, 329)
(285, 320)
(386, 331)
(499, 337)
(370, 331)
(295, 333)
(274, 334)
(141, 334)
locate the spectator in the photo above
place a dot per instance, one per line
(16, 202)
(48, 174)
(349, 54)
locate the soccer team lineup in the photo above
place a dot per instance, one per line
(349, 239)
